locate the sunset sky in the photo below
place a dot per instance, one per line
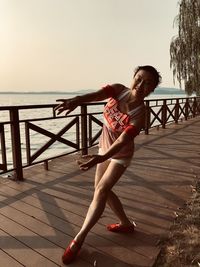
(69, 45)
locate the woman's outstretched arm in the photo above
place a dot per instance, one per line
(70, 104)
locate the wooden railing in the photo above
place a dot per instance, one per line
(159, 112)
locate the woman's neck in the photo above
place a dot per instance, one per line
(133, 100)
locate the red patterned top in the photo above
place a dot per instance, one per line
(115, 121)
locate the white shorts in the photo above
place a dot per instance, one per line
(122, 161)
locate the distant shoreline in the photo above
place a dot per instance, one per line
(38, 93)
(159, 90)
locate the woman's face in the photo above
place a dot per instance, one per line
(143, 84)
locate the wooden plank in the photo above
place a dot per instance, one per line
(143, 221)
(51, 205)
(74, 219)
(92, 239)
(71, 217)
(18, 250)
(7, 261)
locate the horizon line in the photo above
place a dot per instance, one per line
(74, 92)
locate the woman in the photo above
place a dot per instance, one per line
(124, 117)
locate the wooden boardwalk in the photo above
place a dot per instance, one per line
(39, 217)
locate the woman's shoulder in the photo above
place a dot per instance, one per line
(119, 86)
(119, 89)
(116, 90)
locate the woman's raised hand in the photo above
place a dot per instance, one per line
(91, 160)
(67, 104)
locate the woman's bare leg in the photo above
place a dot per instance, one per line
(109, 179)
(116, 206)
(112, 199)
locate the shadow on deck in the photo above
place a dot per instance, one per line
(40, 216)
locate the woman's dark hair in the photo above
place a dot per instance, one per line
(152, 70)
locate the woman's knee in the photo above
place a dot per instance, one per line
(101, 191)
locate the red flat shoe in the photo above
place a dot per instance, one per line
(70, 255)
(118, 228)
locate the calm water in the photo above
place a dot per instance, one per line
(38, 140)
(29, 99)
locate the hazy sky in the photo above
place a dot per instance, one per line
(82, 44)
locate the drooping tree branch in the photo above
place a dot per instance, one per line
(185, 48)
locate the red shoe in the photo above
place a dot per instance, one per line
(70, 255)
(118, 228)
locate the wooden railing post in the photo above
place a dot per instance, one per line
(164, 113)
(3, 149)
(176, 110)
(198, 106)
(147, 117)
(186, 109)
(16, 143)
(194, 110)
(84, 143)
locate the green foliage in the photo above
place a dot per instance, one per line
(185, 48)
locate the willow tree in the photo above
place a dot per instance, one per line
(185, 47)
